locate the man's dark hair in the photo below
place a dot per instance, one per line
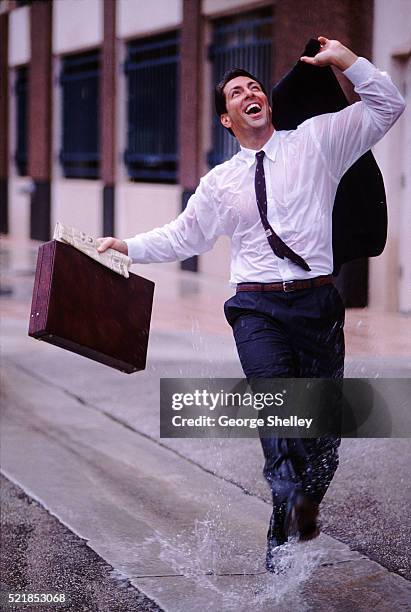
(219, 95)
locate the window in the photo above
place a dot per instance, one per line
(20, 156)
(79, 79)
(241, 42)
(151, 70)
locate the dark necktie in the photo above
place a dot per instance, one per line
(279, 247)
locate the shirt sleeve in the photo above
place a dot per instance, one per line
(346, 135)
(193, 232)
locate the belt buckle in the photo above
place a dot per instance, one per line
(288, 286)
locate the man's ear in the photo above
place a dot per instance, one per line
(225, 120)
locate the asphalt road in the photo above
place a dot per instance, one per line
(40, 555)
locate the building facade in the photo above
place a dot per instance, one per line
(107, 116)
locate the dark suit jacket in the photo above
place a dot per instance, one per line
(360, 208)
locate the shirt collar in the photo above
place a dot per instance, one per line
(270, 149)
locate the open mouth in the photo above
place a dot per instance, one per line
(253, 109)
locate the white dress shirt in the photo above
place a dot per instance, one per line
(302, 170)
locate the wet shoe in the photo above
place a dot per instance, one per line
(276, 536)
(301, 517)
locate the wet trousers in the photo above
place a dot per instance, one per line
(299, 334)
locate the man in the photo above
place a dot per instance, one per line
(274, 199)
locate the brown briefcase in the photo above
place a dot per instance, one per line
(84, 307)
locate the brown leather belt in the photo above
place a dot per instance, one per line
(286, 286)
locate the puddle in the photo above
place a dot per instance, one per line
(202, 556)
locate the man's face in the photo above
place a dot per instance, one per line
(247, 106)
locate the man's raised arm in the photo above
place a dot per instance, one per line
(344, 136)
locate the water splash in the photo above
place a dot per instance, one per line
(202, 559)
(295, 564)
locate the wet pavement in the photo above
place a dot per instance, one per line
(42, 556)
(185, 520)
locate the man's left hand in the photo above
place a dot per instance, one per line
(332, 53)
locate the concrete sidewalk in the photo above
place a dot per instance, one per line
(185, 520)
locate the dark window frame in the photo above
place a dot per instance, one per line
(152, 66)
(80, 155)
(21, 100)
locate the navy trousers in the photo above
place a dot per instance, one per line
(291, 335)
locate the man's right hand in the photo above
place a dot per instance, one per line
(333, 53)
(112, 243)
